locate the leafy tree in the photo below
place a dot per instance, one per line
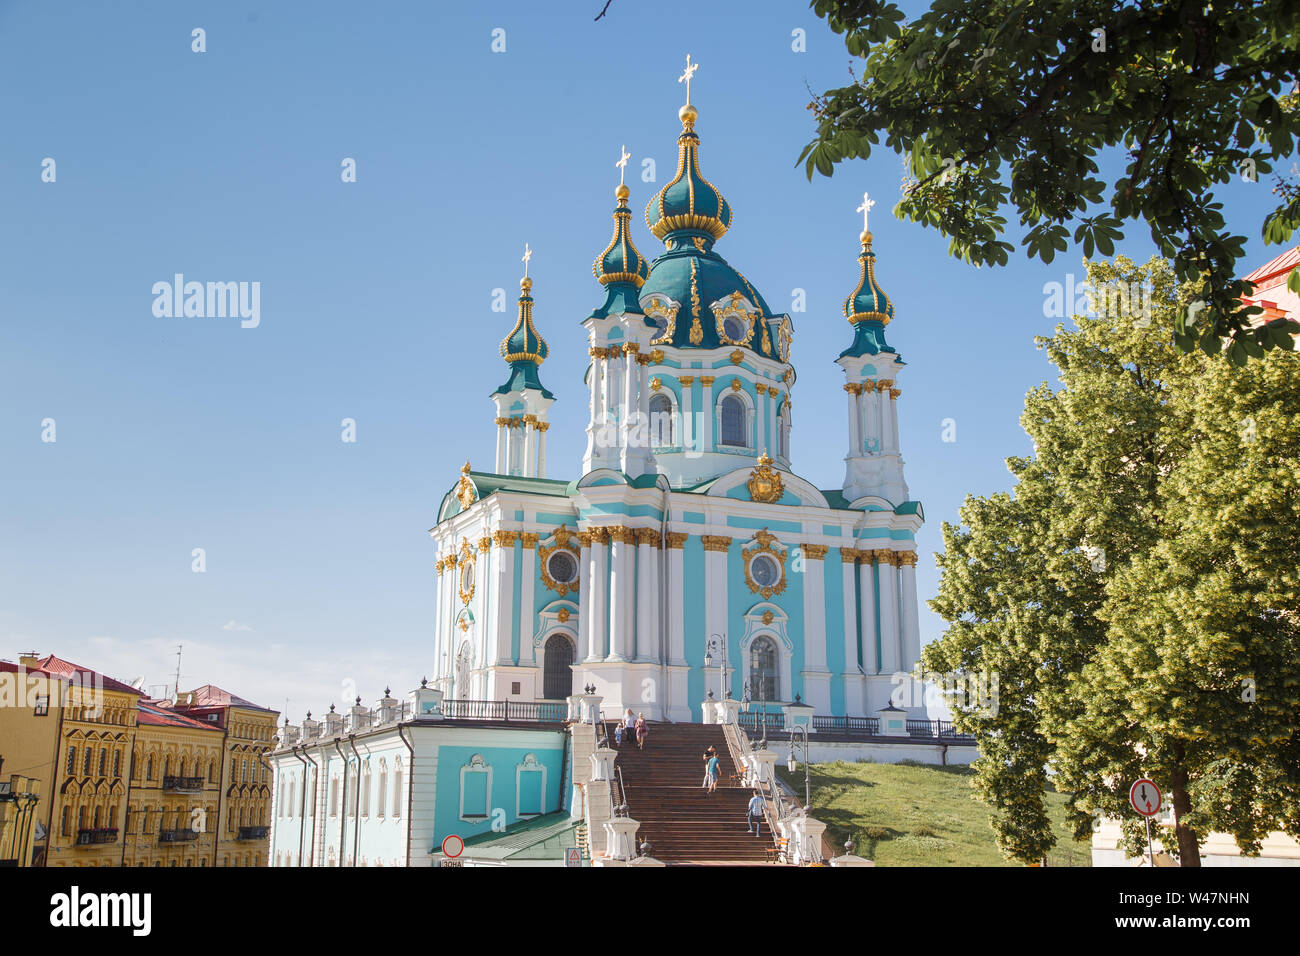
(1137, 595)
(1008, 103)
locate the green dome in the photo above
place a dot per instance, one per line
(716, 305)
(689, 203)
(621, 261)
(868, 302)
(868, 308)
(524, 349)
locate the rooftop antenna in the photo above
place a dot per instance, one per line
(176, 695)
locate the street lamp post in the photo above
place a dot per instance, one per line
(792, 764)
(718, 642)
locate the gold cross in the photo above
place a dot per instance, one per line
(622, 162)
(865, 209)
(528, 254)
(686, 77)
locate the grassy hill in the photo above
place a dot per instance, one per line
(915, 815)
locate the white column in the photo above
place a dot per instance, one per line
(855, 415)
(867, 603)
(512, 450)
(527, 583)
(629, 406)
(501, 447)
(908, 611)
(814, 608)
(530, 447)
(688, 424)
(760, 431)
(641, 431)
(621, 594)
(586, 648)
(892, 420)
(542, 429)
(706, 414)
(870, 418)
(503, 593)
(646, 599)
(599, 608)
(889, 651)
(676, 611)
(715, 615)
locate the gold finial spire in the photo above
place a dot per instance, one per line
(465, 469)
(623, 157)
(686, 76)
(526, 283)
(865, 209)
(688, 113)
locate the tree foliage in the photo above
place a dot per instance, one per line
(1007, 105)
(1138, 595)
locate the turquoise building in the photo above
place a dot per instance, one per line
(684, 556)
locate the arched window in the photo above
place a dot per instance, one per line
(212, 771)
(365, 790)
(334, 796)
(784, 426)
(557, 680)
(103, 761)
(661, 421)
(397, 789)
(733, 422)
(148, 768)
(763, 670)
(381, 798)
(72, 761)
(85, 762)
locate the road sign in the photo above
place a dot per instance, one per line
(1145, 797)
(453, 846)
(572, 856)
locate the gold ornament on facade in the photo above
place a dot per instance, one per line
(438, 565)
(708, 380)
(784, 338)
(686, 381)
(895, 392)
(906, 559)
(562, 535)
(655, 384)
(768, 617)
(657, 309)
(816, 552)
(735, 385)
(485, 543)
(697, 330)
(466, 583)
(736, 357)
(505, 539)
(764, 547)
(677, 539)
(584, 539)
(562, 615)
(657, 356)
(716, 542)
(767, 341)
(765, 482)
(529, 538)
(734, 309)
(465, 492)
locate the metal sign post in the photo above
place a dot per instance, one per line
(1144, 796)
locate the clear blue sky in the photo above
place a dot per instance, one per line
(175, 434)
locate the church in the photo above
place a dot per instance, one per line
(684, 559)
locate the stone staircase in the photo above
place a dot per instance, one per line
(681, 821)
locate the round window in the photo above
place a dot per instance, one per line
(660, 322)
(765, 571)
(562, 567)
(735, 329)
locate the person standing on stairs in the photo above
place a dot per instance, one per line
(711, 772)
(640, 731)
(629, 725)
(755, 815)
(707, 754)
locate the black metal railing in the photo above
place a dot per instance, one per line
(183, 835)
(183, 784)
(506, 711)
(90, 835)
(754, 721)
(860, 726)
(253, 833)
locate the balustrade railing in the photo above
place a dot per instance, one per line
(941, 730)
(182, 835)
(87, 836)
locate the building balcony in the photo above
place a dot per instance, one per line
(253, 833)
(183, 835)
(92, 835)
(183, 784)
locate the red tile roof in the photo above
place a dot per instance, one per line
(210, 695)
(153, 712)
(57, 667)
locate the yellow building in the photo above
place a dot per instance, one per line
(129, 781)
(175, 788)
(91, 751)
(31, 708)
(245, 807)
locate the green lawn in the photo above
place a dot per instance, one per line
(916, 815)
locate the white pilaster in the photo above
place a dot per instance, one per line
(706, 414)
(621, 594)
(529, 429)
(855, 416)
(586, 646)
(647, 599)
(715, 614)
(867, 604)
(541, 450)
(816, 677)
(889, 650)
(908, 611)
(527, 584)
(676, 610)
(855, 702)
(503, 593)
(501, 447)
(599, 608)
(690, 433)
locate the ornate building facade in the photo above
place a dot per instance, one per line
(687, 557)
